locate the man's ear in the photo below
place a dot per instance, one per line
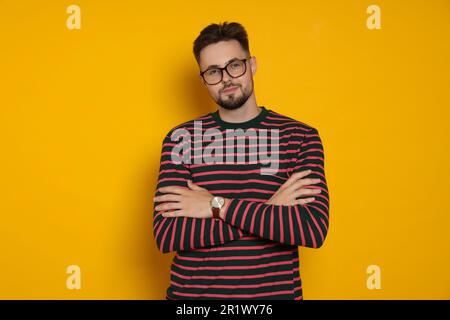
(201, 79)
(253, 64)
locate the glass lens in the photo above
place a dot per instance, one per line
(213, 75)
(236, 68)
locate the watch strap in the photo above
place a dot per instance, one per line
(216, 212)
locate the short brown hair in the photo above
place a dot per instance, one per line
(220, 32)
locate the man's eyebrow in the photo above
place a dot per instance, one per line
(216, 65)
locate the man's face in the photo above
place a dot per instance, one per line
(219, 54)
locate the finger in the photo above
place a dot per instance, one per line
(168, 206)
(299, 184)
(193, 186)
(305, 192)
(304, 182)
(167, 197)
(172, 189)
(305, 201)
(172, 214)
(295, 176)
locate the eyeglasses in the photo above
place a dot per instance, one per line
(235, 69)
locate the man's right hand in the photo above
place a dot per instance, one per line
(293, 188)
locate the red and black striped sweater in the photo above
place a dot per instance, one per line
(253, 252)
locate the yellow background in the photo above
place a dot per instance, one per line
(83, 113)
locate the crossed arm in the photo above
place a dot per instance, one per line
(182, 220)
(184, 232)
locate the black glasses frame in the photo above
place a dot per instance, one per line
(225, 68)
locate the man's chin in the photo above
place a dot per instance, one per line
(230, 107)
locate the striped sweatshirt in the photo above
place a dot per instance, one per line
(252, 253)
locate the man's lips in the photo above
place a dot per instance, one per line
(230, 89)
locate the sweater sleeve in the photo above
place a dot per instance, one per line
(184, 233)
(299, 225)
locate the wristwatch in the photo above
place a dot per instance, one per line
(217, 204)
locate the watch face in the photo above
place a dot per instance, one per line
(217, 202)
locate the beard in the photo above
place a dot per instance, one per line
(232, 103)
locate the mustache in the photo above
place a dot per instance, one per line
(232, 85)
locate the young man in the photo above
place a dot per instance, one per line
(232, 200)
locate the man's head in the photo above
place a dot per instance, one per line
(220, 45)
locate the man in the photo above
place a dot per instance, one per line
(236, 223)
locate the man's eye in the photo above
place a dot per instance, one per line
(236, 65)
(212, 72)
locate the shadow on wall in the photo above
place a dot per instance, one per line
(197, 102)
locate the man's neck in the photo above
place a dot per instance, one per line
(247, 112)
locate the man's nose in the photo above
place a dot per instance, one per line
(226, 77)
